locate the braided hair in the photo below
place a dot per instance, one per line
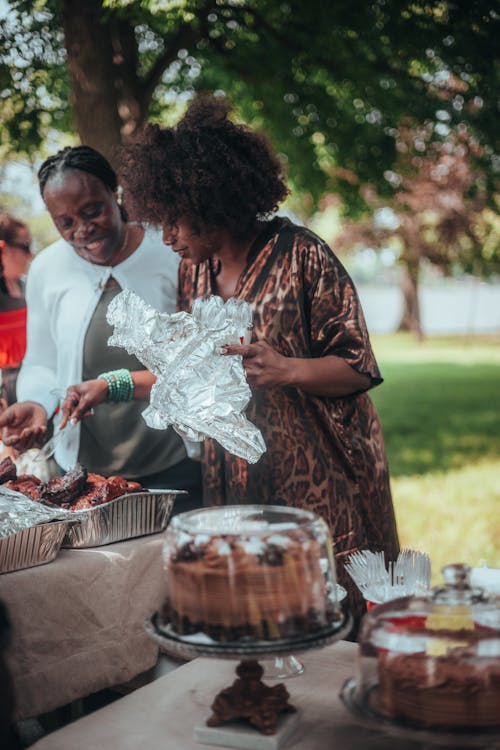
(84, 158)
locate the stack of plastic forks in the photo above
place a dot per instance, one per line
(408, 575)
(412, 570)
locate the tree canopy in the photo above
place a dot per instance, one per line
(439, 213)
(330, 82)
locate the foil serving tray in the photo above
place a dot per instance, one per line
(33, 546)
(125, 517)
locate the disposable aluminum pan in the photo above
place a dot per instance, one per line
(126, 517)
(36, 545)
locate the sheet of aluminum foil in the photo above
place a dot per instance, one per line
(126, 517)
(18, 512)
(198, 391)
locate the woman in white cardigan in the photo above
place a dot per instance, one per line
(69, 287)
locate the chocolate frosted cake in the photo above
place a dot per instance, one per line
(264, 574)
(449, 691)
(433, 662)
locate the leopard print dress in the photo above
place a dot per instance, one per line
(323, 454)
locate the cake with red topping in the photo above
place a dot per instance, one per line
(433, 661)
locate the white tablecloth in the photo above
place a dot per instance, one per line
(78, 622)
(164, 713)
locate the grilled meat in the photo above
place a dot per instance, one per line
(26, 484)
(7, 470)
(64, 491)
(76, 490)
(100, 490)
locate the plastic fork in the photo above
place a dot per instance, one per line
(408, 575)
(48, 449)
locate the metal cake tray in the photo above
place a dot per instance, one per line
(33, 546)
(126, 517)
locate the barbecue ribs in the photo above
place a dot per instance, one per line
(75, 490)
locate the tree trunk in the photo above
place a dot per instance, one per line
(410, 318)
(97, 78)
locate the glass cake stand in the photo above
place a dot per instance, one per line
(363, 708)
(248, 697)
(427, 666)
(284, 667)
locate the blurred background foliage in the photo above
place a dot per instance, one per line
(385, 114)
(386, 105)
(331, 83)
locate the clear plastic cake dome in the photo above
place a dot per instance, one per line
(432, 661)
(249, 573)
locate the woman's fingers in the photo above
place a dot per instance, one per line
(247, 351)
(7, 418)
(80, 400)
(81, 412)
(68, 407)
(76, 406)
(29, 437)
(264, 366)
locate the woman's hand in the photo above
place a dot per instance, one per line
(24, 425)
(264, 366)
(81, 398)
(329, 376)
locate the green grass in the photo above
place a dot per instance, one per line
(440, 412)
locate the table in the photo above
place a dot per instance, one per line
(78, 622)
(163, 713)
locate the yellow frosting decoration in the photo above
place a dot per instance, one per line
(441, 646)
(446, 617)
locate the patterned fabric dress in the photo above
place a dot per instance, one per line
(323, 454)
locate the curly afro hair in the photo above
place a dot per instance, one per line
(207, 170)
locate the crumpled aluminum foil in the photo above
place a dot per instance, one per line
(18, 512)
(197, 391)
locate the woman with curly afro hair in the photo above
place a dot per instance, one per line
(214, 186)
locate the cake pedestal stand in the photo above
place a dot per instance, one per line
(282, 668)
(266, 709)
(249, 699)
(363, 708)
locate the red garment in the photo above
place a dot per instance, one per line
(12, 337)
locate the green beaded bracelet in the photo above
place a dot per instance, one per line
(120, 385)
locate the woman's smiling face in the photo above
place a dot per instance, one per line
(86, 214)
